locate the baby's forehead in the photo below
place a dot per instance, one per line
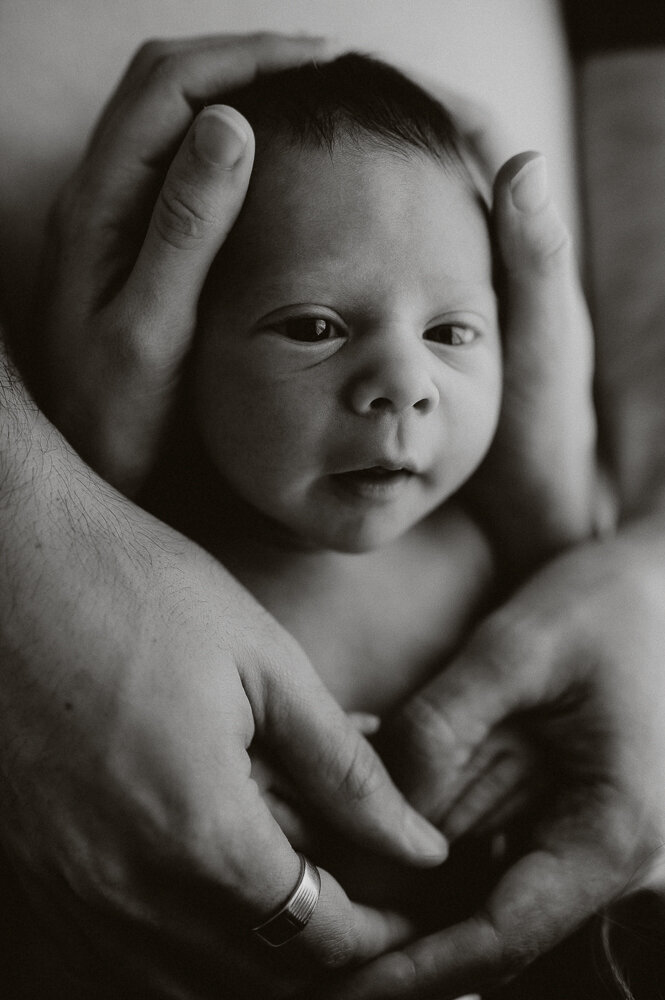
(361, 176)
(279, 151)
(360, 221)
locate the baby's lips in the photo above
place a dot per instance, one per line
(384, 462)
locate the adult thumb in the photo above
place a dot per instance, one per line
(334, 768)
(430, 743)
(532, 237)
(197, 206)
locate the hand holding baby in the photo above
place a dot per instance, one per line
(123, 294)
(581, 683)
(159, 298)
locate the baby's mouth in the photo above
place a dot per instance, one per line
(376, 482)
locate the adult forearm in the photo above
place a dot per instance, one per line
(55, 518)
(46, 493)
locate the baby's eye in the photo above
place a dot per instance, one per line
(453, 334)
(308, 329)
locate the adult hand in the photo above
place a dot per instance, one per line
(574, 662)
(128, 250)
(569, 668)
(539, 489)
(136, 674)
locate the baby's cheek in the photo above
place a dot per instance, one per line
(477, 421)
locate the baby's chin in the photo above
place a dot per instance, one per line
(353, 536)
(281, 526)
(350, 540)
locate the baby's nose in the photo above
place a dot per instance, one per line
(398, 382)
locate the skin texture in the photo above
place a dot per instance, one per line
(127, 300)
(580, 861)
(148, 833)
(393, 255)
(579, 648)
(129, 813)
(587, 680)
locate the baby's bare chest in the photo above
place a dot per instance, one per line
(380, 631)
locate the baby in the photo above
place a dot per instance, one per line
(347, 378)
(347, 381)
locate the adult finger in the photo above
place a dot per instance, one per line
(167, 83)
(485, 135)
(543, 897)
(237, 849)
(283, 799)
(431, 744)
(548, 379)
(197, 205)
(334, 768)
(266, 870)
(541, 284)
(532, 237)
(138, 133)
(497, 772)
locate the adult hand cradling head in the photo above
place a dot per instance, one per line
(528, 658)
(144, 845)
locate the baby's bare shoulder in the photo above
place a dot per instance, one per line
(451, 532)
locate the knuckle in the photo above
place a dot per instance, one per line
(541, 247)
(363, 775)
(404, 971)
(151, 54)
(429, 729)
(338, 952)
(503, 959)
(179, 221)
(551, 251)
(158, 63)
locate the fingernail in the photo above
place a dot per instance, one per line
(219, 139)
(431, 845)
(528, 188)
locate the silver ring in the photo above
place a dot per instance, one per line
(295, 914)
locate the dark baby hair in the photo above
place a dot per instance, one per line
(354, 98)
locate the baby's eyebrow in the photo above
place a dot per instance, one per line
(314, 284)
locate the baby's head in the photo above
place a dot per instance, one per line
(348, 372)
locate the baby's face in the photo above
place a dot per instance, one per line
(348, 376)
